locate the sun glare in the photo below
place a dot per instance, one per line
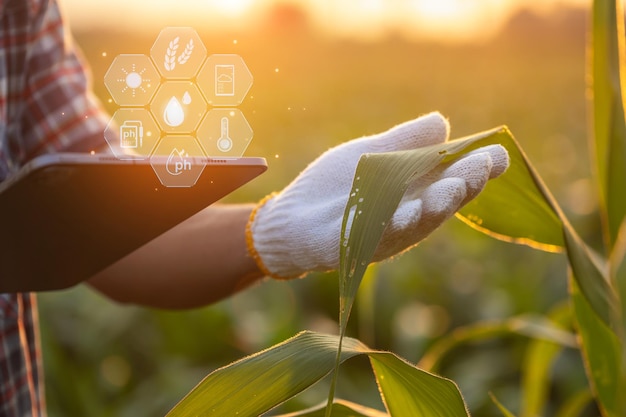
(364, 19)
(232, 7)
(440, 10)
(458, 18)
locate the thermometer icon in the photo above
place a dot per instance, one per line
(224, 143)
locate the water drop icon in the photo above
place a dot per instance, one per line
(174, 114)
(186, 98)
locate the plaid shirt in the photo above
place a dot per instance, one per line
(45, 107)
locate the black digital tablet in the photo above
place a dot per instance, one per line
(64, 217)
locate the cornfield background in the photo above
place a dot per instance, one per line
(309, 93)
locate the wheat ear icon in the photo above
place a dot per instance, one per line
(170, 54)
(184, 57)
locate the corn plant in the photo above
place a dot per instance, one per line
(516, 207)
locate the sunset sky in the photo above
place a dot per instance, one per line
(451, 19)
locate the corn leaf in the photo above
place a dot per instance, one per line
(617, 268)
(505, 412)
(410, 392)
(535, 327)
(256, 384)
(609, 124)
(516, 207)
(537, 366)
(535, 208)
(602, 353)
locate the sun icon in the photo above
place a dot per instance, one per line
(134, 80)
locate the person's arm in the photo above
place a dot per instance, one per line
(296, 231)
(200, 261)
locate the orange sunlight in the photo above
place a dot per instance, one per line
(232, 7)
(450, 20)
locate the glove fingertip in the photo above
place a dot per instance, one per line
(444, 197)
(500, 159)
(407, 213)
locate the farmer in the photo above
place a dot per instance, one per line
(46, 106)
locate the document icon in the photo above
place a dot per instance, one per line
(224, 80)
(131, 134)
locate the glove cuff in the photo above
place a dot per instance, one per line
(252, 251)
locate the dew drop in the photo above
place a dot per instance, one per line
(361, 200)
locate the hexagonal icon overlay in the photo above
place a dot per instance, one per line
(178, 52)
(178, 161)
(224, 80)
(224, 133)
(132, 133)
(178, 106)
(132, 79)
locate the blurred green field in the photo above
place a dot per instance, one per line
(312, 92)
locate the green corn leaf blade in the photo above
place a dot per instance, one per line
(341, 408)
(254, 385)
(617, 267)
(408, 391)
(535, 327)
(538, 221)
(366, 305)
(609, 124)
(505, 412)
(575, 405)
(591, 278)
(258, 383)
(514, 207)
(537, 366)
(602, 353)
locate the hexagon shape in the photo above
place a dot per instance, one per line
(224, 133)
(132, 133)
(224, 80)
(178, 52)
(178, 106)
(178, 161)
(132, 79)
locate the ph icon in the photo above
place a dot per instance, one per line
(178, 162)
(131, 134)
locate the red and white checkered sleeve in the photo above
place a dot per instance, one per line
(61, 113)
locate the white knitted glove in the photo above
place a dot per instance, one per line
(298, 230)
